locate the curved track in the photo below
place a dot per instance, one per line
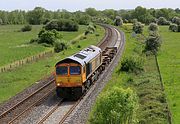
(112, 38)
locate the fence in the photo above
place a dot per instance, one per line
(162, 86)
(25, 61)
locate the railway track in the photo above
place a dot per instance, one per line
(16, 111)
(27, 103)
(63, 116)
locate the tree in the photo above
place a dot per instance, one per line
(62, 25)
(176, 20)
(91, 11)
(173, 27)
(118, 21)
(138, 27)
(35, 17)
(143, 15)
(153, 42)
(162, 21)
(153, 27)
(117, 106)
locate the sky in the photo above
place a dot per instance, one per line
(74, 5)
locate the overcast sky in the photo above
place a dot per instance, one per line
(73, 5)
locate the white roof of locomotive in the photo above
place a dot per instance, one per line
(85, 55)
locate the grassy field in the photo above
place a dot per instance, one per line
(14, 44)
(152, 104)
(15, 81)
(169, 61)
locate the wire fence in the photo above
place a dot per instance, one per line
(26, 61)
(162, 86)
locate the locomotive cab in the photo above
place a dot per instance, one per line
(68, 75)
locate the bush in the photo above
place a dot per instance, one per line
(90, 28)
(26, 28)
(118, 21)
(34, 40)
(1, 21)
(153, 27)
(173, 27)
(138, 27)
(163, 21)
(47, 37)
(60, 46)
(153, 42)
(62, 25)
(176, 20)
(132, 64)
(117, 106)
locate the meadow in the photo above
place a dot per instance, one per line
(17, 80)
(14, 44)
(169, 62)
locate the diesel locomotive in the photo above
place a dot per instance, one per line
(75, 74)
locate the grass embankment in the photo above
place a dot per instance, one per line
(169, 62)
(15, 81)
(152, 104)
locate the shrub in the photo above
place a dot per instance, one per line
(47, 37)
(176, 20)
(91, 28)
(163, 21)
(138, 27)
(153, 42)
(173, 27)
(60, 46)
(132, 64)
(62, 25)
(26, 28)
(153, 27)
(118, 21)
(117, 106)
(34, 40)
(1, 21)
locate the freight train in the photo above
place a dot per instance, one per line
(75, 74)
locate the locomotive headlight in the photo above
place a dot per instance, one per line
(58, 84)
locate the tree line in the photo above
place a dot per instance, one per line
(40, 15)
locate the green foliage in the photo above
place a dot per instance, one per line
(47, 37)
(91, 11)
(90, 28)
(142, 15)
(118, 21)
(35, 17)
(117, 106)
(153, 42)
(1, 21)
(132, 64)
(163, 21)
(84, 19)
(176, 20)
(153, 27)
(138, 27)
(26, 28)
(173, 27)
(62, 25)
(60, 46)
